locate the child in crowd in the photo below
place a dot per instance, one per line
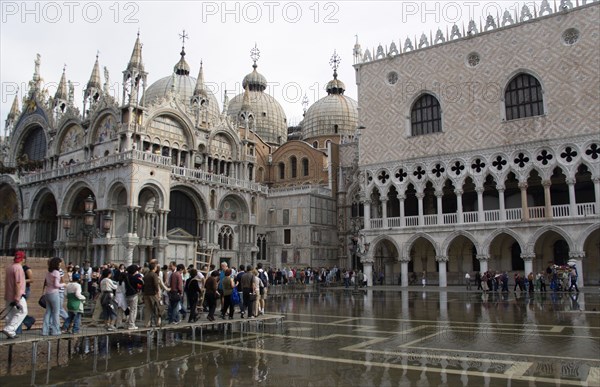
(75, 302)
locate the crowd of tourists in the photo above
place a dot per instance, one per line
(559, 278)
(114, 293)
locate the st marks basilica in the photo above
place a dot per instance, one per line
(469, 150)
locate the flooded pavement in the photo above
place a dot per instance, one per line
(380, 337)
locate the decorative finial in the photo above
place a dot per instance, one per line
(183, 36)
(255, 55)
(97, 53)
(334, 62)
(305, 103)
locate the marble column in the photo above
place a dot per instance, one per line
(404, 271)
(440, 210)
(547, 199)
(367, 210)
(483, 262)
(572, 201)
(596, 181)
(528, 259)
(501, 202)
(459, 206)
(420, 196)
(442, 262)
(402, 220)
(480, 214)
(524, 207)
(384, 221)
(368, 270)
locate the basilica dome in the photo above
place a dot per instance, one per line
(186, 88)
(270, 122)
(332, 115)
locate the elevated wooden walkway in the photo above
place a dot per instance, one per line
(24, 351)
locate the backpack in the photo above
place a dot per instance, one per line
(73, 303)
(263, 278)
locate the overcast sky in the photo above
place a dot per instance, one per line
(296, 40)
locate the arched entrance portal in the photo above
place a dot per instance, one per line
(505, 254)
(386, 268)
(422, 256)
(9, 220)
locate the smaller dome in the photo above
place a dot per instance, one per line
(182, 68)
(335, 86)
(255, 81)
(334, 114)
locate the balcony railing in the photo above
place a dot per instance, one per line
(197, 174)
(85, 166)
(490, 216)
(148, 157)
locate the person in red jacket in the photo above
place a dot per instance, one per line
(14, 295)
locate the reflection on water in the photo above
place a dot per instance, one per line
(363, 338)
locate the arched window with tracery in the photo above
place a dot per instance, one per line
(523, 97)
(226, 238)
(425, 116)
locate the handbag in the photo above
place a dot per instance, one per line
(42, 300)
(106, 298)
(235, 297)
(174, 296)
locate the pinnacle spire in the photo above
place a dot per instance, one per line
(200, 89)
(246, 100)
(14, 109)
(136, 55)
(62, 91)
(95, 80)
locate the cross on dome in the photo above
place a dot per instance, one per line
(255, 55)
(335, 61)
(183, 36)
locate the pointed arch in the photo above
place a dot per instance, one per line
(542, 230)
(408, 244)
(485, 246)
(450, 238)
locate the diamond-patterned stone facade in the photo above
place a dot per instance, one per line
(472, 98)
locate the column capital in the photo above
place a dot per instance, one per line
(401, 197)
(483, 257)
(404, 259)
(596, 179)
(500, 187)
(479, 190)
(546, 183)
(420, 195)
(441, 258)
(527, 257)
(458, 191)
(570, 180)
(523, 185)
(577, 254)
(439, 194)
